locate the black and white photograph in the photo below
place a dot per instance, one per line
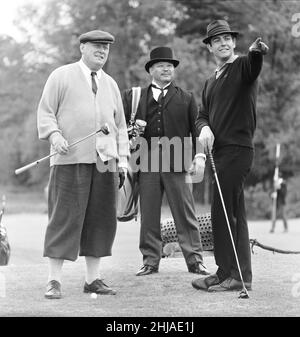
(150, 162)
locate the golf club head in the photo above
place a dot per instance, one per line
(105, 129)
(244, 294)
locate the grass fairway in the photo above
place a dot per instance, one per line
(276, 282)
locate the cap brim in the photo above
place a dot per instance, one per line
(97, 41)
(151, 62)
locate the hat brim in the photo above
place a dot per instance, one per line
(150, 63)
(207, 39)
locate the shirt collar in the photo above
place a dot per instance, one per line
(230, 60)
(87, 71)
(153, 82)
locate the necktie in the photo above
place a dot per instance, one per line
(220, 70)
(94, 85)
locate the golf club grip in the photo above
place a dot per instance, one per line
(212, 161)
(25, 168)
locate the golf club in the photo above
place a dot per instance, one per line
(244, 292)
(104, 129)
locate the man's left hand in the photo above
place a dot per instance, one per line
(197, 168)
(122, 175)
(259, 46)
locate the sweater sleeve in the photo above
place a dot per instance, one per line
(193, 111)
(252, 65)
(202, 118)
(123, 142)
(47, 108)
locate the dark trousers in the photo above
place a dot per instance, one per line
(233, 163)
(280, 214)
(181, 202)
(82, 212)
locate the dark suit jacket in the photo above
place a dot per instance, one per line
(179, 116)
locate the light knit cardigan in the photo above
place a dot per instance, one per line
(69, 106)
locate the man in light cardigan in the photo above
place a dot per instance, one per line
(77, 100)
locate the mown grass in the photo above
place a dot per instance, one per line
(276, 279)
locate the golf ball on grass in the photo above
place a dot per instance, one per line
(93, 295)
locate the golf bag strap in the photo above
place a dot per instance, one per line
(136, 94)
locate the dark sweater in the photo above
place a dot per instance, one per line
(229, 102)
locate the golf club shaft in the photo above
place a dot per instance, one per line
(226, 216)
(104, 129)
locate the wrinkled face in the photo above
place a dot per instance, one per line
(162, 72)
(222, 46)
(94, 55)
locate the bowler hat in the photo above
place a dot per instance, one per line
(218, 27)
(96, 36)
(161, 54)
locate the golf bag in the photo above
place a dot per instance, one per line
(169, 233)
(4, 244)
(128, 197)
(129, 193)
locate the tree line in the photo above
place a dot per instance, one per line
(50, 39)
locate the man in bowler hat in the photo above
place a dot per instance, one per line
(77, 100)
(170, 113)
(227, 121)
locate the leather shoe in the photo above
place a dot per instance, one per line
(147, 270)
(53, 290)
(203, 283)
(98, 287)
(198, 268)
(229, 284)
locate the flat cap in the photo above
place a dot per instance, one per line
(96, 36)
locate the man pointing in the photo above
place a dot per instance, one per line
(227, 121)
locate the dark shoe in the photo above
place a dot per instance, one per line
(198, 268)
(147, 270)
(228, 285)
(98, 287)
(204, 283)
(53, 290)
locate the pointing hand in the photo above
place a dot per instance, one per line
(259, 46)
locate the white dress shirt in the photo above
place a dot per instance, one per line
(87, 73)
(156, 92)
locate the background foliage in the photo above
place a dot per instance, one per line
(51, 39)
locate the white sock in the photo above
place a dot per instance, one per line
(92, 268)
(55, 269)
